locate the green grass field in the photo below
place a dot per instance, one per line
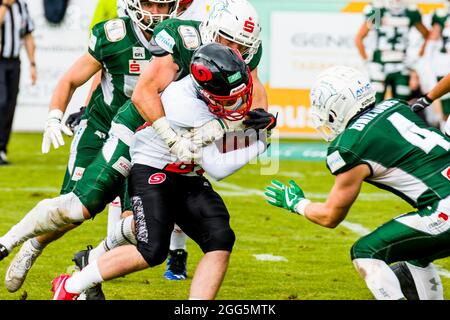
(315, 262)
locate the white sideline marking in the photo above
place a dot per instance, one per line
(269, 257)
(237, 191)
(31, 189)
(355, 227)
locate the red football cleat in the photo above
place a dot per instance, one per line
(59, 291)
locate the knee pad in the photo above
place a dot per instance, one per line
(219, 240)
(70, 208)
(58, 212)
(379, 278)
(153, 254)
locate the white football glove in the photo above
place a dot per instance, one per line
(183, 148)
(186, 151)
(212, 131)
(53, 128)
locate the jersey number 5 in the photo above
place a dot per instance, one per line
(420, 137)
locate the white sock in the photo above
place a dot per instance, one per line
(114, 214)
(37, 245)
(48, 215)
(428, 282)
(178, 239)
(121, 235)
(98, 251)
(380, 279)
(84, 279)
(447, 127)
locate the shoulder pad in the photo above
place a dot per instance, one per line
(156, 50)
(115, 30)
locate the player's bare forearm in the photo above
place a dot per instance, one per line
(259, 93)
(95, 82)
(344, 192)
(359, 39)
(423, 30)
(80, 72)
(324, 215)
(440, 89)
(156, 77)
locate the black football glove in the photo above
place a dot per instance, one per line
(421, 104)
(73, 120)
(259, 119)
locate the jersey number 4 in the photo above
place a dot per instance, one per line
(420, 137)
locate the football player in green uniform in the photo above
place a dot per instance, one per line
(120, 49)
(389, 146)
(391, 22)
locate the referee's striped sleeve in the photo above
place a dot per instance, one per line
(29, 21)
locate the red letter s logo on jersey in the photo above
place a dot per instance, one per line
(135, 67)
(157, 178)
(249, 25)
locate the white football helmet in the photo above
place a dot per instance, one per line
(234, 20)
(337, 96)
(121, 8)
(145, 19)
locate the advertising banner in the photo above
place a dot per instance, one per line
(57, 48)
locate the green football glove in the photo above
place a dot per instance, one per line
(286, 196)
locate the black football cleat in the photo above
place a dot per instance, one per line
(81, 260)
(3, 252)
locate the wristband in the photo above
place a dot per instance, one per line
(301, 205)
(428, 99)
(55, 114)
(163, 129)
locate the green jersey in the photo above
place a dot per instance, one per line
(391, 30)
(120, 46)
(405, 156)
(180, 38)
(440, 17)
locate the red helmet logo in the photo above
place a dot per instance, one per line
(200, 72)
(443, 216)
(249, 25)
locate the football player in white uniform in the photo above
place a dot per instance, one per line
(165, 191)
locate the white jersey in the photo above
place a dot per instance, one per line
(184, 111)
(198, 10)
